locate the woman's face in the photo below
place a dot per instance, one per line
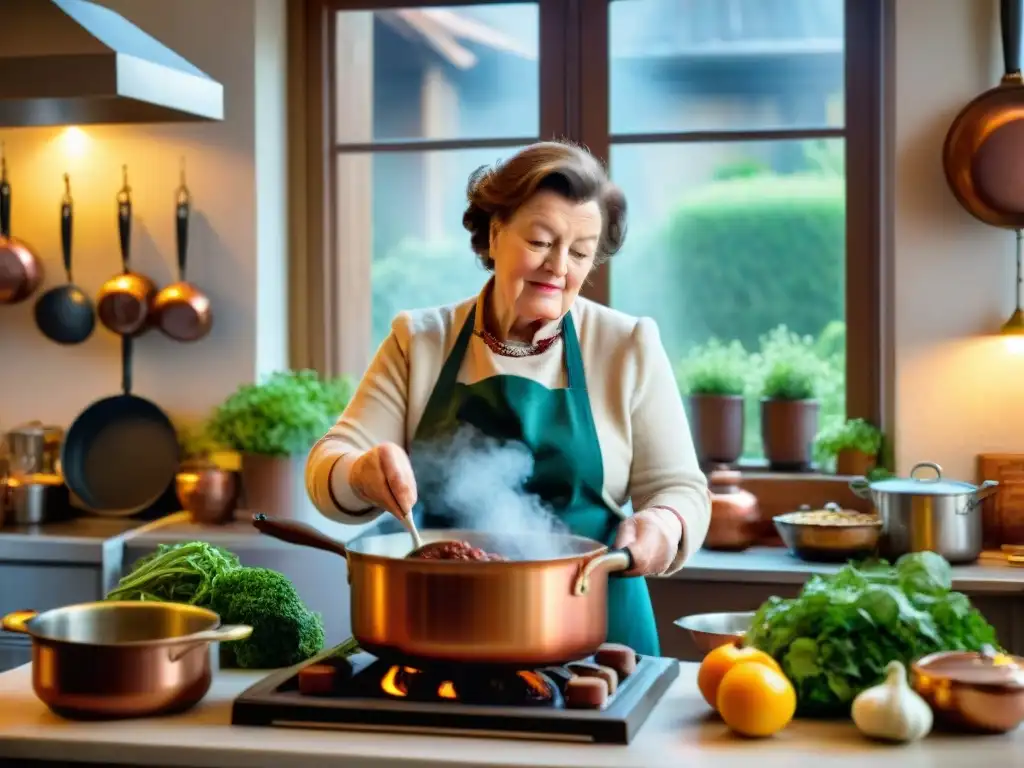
(542, 255)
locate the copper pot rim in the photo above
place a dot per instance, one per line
(27, 617)
(109, 287)
(920, 667)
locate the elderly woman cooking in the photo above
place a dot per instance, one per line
(589, 391)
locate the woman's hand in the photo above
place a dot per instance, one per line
(653, 536)
(383, 477)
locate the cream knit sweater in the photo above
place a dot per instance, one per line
(641, 424)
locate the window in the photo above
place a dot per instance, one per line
(745, 134)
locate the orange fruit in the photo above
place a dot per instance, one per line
(756, 700)
(719, 661)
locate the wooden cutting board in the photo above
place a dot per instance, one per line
(1003, 513)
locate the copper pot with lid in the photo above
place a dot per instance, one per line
(735, 515)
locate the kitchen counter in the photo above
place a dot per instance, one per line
(680, 732)
(774, 565)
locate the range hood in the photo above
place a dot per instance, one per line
(72, 62)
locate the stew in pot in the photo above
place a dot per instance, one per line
(456, 550)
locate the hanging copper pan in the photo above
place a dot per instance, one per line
(983, 156)
(20, 270)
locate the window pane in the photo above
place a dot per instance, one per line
(688, 65)
(437, 73)
(412, 229)
(732, 241)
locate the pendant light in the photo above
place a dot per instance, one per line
(1015, 325)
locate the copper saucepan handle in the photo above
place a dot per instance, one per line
(298, 533)
(16, 621)
(218, 635)
(613, 561)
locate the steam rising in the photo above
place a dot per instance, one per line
(478, 483)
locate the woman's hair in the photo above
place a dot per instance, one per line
(557, 166)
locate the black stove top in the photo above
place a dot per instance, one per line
(362, 692)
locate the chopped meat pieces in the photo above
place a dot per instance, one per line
(609, 675)
(456, 550)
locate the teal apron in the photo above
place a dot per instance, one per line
(557, 426)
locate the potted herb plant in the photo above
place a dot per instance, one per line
(789, 404)
(273, 424)
(713, 377)
(853, 446)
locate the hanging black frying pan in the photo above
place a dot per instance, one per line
(121, 454)
(983, 155)
(65, 314)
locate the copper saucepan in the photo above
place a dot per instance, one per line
(20, 270)
(521, 612)
(181, 311)
(122, 659)
(125, 301)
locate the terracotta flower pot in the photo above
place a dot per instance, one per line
(788, 429)
(716, 422)
(854, 463)
(276, 486)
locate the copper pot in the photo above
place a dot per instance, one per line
(122, 659)
(180, 310)
(735, 517)
(982, 692)
(523, 612)
(20, 270)
(125, 301)
(208, 493)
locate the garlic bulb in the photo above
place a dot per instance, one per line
(892, 710)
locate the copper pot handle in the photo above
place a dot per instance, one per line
(294, 532)
(613, 561)
(16, 621)
(199, 639)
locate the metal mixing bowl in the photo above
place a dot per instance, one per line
(823, 543)
(710, 630)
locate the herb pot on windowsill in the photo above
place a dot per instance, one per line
(788, 428)
(854, 445)
(714, 376)
(716, 422)
(854, 463)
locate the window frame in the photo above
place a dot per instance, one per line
(330, 294)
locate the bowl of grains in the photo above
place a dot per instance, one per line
(830, 534)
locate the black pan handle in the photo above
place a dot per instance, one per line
(181, 220)
(124, 219)
(5, 200)
(126, 364)
(1011, 15)
(66, 218)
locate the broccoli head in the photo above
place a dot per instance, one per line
(284, 630)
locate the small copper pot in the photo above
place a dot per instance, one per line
(735, 517)
(125, 301)
(208, 493)
(979, 692)
(110, 660)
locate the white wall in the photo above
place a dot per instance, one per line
(237, 176)
(958, 390)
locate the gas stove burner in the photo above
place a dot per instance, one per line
(363, 692)
(524, 688)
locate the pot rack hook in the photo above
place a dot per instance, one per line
(67, 189)
(184, 197)
(3, 161)
(126, 191)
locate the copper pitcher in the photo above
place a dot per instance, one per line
(735, 516)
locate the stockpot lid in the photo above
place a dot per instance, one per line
(920, 482)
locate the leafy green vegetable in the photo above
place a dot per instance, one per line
(176, 573)
(280, 416)
(835, 639)
(284, 631)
